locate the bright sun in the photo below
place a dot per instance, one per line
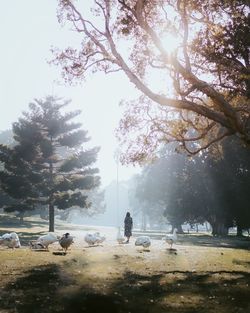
(170, 43)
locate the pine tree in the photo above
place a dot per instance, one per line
(48, 165)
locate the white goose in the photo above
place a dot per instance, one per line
(44, 241)
(143, 241)
(171, 238)
(94, 238)
(11, 240)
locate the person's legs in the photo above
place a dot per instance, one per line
(127, 239)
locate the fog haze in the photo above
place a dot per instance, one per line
(28, 31)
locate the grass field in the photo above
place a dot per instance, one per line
(202, 274)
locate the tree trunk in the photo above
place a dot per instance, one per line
(178, 227)
(219, 229)
(239, 231)
(21, 216)
(51, 200)
(208, 228)
(51, 218)
(180, 230)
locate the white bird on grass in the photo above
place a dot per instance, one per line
(34, 245)
(65, 241)
(94, 239)
(45, 240)
(120, 239)
(143, 241)
(171, 238)
(11, 240)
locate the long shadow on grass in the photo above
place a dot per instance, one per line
(204, 240)
(26, 237)
(13, 221)
(32, 293)
(179, 291)
(49, 289)
(41, 290)
(209, 241)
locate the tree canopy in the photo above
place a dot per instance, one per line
(197, 93)
(48, 165)
(199, 189)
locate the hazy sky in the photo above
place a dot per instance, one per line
(28, 30)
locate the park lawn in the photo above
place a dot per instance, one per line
(199, 275)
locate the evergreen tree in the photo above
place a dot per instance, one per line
(6, 138)
(95, 205)
(36, 171)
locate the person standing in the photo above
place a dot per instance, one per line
(128, 225)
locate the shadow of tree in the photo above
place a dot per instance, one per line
(240, 262)
(33, 292)
(8, 221)
(220, 242)
(26, 237)
(216, 292)
(50, 289)
(90, 301)
(13, 221)
(203, 240)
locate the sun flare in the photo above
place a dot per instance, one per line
(170, 43)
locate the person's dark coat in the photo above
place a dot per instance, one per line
(128, 225)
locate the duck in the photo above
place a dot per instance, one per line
(11, 240)
(100, 238)
(65, 241)
(34, 245)
(120, 239)
(45, 240)
(143, 241)
(94, 238)
(171, 238)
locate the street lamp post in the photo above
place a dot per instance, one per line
(117, 159)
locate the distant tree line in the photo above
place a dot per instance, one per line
(206, 187)
(207, 101)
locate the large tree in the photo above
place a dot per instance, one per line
(209, 69)
(6, 138)
(200, 189)
(168, 188)
(35, 169)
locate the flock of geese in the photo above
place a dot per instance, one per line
(11, 240)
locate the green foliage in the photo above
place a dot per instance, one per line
(48, 165)
(200, 189)
(189, 90)
(95, 204)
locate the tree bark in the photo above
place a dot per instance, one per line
(197, 227)
(51, 200)
(51, 218)
(219, 229)
(178, 227)
(21, 217)
(239, 231)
